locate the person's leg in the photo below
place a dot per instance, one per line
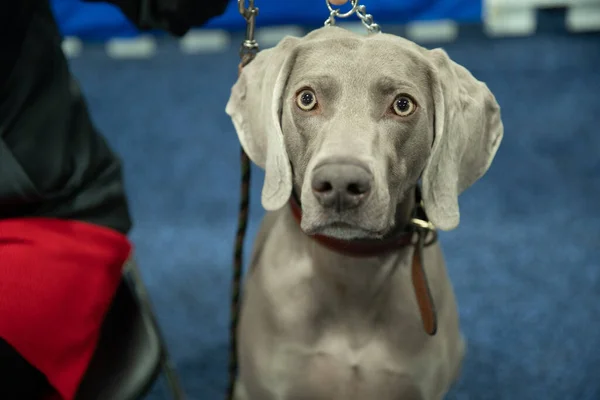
(18, 378)
(58, 279)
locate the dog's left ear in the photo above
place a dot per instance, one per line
(255, 108)
(468, 131)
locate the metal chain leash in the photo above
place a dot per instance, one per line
(359, 10)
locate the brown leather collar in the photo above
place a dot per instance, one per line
(371, 248)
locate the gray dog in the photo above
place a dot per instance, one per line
(347, 128)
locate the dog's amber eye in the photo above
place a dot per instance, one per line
(306, 100)
(404, 106)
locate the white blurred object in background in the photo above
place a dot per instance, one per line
(519, 17)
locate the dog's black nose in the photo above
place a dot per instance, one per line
(341, 186)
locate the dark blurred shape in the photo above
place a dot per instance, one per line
(174, 16)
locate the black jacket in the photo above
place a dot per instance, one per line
(53, 162)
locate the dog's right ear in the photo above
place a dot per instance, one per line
(255, 108)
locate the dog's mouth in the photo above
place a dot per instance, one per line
(337, 225)
(344, 231)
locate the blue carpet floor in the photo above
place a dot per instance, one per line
(525, 261)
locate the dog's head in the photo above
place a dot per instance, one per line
(351, 123)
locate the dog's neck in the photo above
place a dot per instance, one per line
(397, 239)
(359, 273)
(361, 287)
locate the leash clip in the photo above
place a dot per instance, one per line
(249, 45)
(422, 226)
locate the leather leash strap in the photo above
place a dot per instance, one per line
(248, 52)
(238, 261)
(421, 288)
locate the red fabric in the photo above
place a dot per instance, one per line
(57, 280)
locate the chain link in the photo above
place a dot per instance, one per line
(359, 10)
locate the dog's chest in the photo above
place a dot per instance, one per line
(341, 337)
(340, 365)
(324, 300)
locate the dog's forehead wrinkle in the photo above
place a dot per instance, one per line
(327, 51)
(300, 77)
(384, 82)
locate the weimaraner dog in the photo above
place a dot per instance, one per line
(347, 129)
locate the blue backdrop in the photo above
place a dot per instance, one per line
(101, 21)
